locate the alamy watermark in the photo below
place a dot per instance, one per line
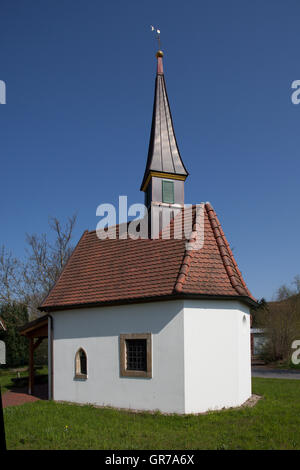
(295, 359)
(295, 96)
(134, 222)
(2, 92)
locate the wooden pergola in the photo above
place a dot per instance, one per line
(36, 331)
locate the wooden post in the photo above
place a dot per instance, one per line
(2, 429)
(31, 367)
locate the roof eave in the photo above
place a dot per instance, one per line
(32, 325)
(176, 296)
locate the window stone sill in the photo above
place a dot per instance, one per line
(80, 377)
(136, 373)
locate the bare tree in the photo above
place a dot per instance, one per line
(296, 283)
(10, 269)
(281, 322)
(284, 292)
(46, 260)
(30, 281)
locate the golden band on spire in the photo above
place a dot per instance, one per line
(159, 54)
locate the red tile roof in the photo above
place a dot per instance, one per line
(117, 271)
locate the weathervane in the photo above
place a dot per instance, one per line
(158, 35)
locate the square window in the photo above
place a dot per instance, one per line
(168, 192)
(135, 355)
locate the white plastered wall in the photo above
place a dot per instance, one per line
(217, 359)
(200, 355)
(97, 331)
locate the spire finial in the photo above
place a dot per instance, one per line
(164, 159)
(159, 52)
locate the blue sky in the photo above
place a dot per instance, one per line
(75, 130)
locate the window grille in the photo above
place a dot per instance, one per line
(136, 354)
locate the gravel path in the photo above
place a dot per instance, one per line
(262, 371)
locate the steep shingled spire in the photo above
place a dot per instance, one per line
(163, 154)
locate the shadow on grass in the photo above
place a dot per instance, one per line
(20, 386)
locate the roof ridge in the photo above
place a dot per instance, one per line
(232, 256)
(110, 226)
(218, 232)
(187, 257)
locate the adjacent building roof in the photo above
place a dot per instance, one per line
(36, 328)
(102, 272)
(2, 325)
(163, 153)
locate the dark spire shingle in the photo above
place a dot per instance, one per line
(163, 154)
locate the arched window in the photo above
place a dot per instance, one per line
(81, 364)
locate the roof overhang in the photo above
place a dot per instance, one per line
(36, 329)
(182, 296)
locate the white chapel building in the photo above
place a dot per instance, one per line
(156, 323)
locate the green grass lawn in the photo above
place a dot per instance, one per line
(274, 423)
